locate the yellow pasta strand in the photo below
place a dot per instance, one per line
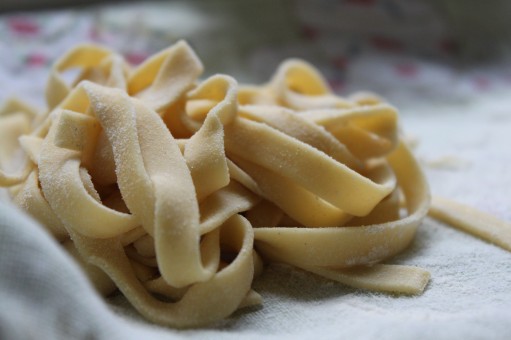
(472, 221)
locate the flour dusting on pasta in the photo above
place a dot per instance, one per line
(175, 189)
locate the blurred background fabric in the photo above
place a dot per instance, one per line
(444, 64)
(421, 47)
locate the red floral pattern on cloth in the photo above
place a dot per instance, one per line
(23, 26)
(407, 70)
(37, 60)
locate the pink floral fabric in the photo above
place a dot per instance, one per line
(401, 49)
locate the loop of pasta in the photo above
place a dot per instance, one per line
(174, 188)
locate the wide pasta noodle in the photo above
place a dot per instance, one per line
(175, 190)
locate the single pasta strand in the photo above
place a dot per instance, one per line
(472, 221)
(380, 277)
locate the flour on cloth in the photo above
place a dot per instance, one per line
(468, 297)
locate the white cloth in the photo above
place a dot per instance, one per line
(43, 294)
(462, 115)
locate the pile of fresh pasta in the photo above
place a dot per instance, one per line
(176, 190)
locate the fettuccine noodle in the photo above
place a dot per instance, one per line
(175, 190)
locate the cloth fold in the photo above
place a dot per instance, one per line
(43, 292)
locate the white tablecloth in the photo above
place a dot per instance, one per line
(462, 121)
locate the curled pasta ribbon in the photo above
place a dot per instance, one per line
(329, 249)
(85, 57)
(175, 190)
(368, 131)
(298, 85)
(162, 172)
(16, 120)
(202, 303)
(163, 78)
(180, 264)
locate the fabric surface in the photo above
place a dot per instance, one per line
(465, 154)
(460, 118)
